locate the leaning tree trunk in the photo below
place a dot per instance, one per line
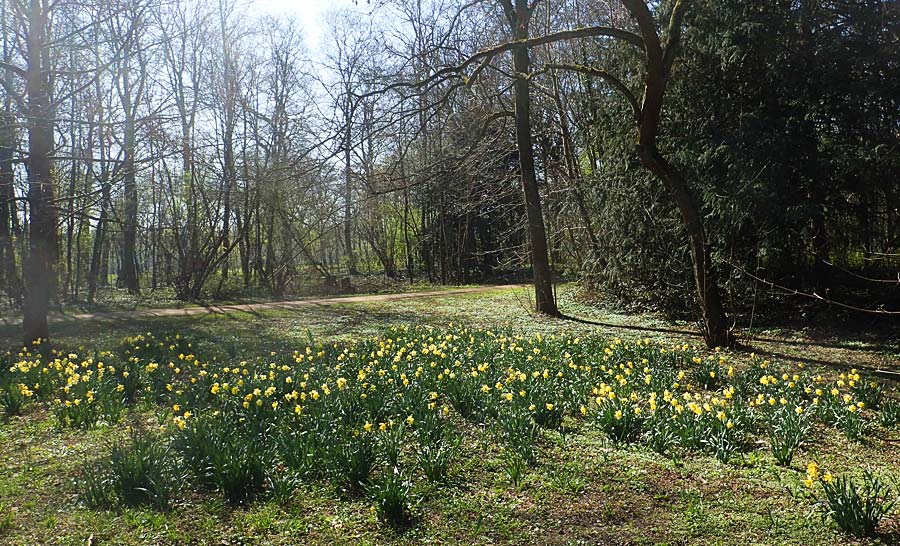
(543, 284)
(659, 61)
(716, 331)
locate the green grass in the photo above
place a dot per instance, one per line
(111, 299)
(279, 328)
(583, 489)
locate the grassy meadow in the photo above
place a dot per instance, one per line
(457, 419)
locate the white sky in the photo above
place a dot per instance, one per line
(311, 14)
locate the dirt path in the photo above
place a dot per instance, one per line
(253, 307)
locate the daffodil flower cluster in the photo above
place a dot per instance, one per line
(425, 379)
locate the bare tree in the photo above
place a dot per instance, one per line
(350, 48)
(9, 275)
(127, 25)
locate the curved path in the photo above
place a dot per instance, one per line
(253, 307)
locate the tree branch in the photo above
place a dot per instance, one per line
(870, 279)
(673, 38)
(12, 68)
(812, 295)
(617, 84)
(456, 71)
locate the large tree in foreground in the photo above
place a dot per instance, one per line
(40, 263)
(659, 58)
(35, 80)
(659, 52)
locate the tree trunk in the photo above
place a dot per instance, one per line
(229, 121)
(129, 229)
(104, 258)
(406, 241)
(716, 331)
(659, 59)
(9, 276)
(40, 265)
(242, 226)
(97, 273)
(154, 233)
(348, 192)
(543, 282)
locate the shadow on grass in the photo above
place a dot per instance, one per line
(890, 374)
(813, 343)
(746, 346)
(860, 344)
(232, 332)
(631, 327)
(891, 538)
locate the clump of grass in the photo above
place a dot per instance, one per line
(434, 458)
(238, 469)
(568, 479)
(391, 495)
(300, 450)
(232, 461)
(890, 414)
(514, 467)
(390, 445)
(619, 420)
(662, 436)
(350, 462)
(143, 472)
(856, 507)
(787, 428)
(722, 442)
(282, 484)
(519, 433)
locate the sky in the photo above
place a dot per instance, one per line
(311, 14)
